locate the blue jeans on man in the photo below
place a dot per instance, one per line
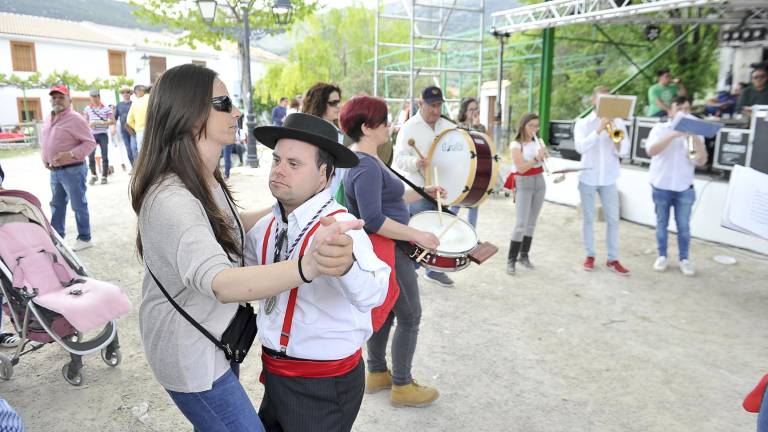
(609, 197)
(682, 202)
(225, 407)
(68, 185)
(129, 141)
(762, 417)
(228, 159)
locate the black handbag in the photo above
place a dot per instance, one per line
(239, 335)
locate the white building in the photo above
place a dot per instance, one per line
(30, 44)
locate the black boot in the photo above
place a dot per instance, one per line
(526, 247)
(514, 248)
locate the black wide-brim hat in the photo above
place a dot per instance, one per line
(312, 130)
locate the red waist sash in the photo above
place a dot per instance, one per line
(510, 182)
(309, 368)
(385, 249)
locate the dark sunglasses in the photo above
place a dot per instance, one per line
(222, 104)
(334, 103)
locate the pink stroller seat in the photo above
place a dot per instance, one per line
(38, 267)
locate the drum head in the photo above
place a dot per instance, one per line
(461, 238)
(451, 153)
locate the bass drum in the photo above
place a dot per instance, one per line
(467, 166)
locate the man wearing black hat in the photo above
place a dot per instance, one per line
(422, 128)
(311, 336)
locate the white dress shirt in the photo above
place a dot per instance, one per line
(332, 317)
(529, 150)
(671, 169)
(406, 158)
(598, 152)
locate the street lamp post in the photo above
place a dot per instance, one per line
(282, 11)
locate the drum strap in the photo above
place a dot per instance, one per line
(420, 191)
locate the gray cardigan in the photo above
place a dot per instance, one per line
(180, 248)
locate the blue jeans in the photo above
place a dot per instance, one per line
(682, 202)
(68, 185)
(228, 159)
(609, 197)
(224, 408)
(472, 214)
(762, 418)
(130, 145)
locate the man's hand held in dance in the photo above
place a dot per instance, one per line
(331, 251)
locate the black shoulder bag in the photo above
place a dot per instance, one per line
(239, 335)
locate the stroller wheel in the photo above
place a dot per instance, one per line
(6, 367)
(111, 357)
(74, 377)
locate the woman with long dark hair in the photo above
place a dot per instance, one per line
(190, 238)
(530, 188)
(378, 197)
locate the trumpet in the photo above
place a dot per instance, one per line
(692, 153)
(616, 134)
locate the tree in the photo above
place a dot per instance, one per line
(227, 25)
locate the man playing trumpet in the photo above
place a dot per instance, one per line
(601, 142)
(674, 156)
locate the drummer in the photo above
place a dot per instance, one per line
(375, 195)
(422, 128)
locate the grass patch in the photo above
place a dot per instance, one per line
(16, 152)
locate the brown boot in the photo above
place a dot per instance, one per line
(413, 395)
(376, 381)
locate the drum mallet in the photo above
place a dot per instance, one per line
(412, 143)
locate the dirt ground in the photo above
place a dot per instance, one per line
(550, 349)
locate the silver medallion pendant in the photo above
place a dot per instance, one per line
(270, 304)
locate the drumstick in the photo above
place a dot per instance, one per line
(412, 143)
(450, 225)
(436, 183)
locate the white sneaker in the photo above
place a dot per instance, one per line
(80, 245)
(687, 268)
(661, 264)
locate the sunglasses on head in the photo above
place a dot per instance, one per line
(334, 103)
(222, 104)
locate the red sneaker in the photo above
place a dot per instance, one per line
(589, 263)
(615, 266)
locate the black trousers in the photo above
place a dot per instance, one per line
(102, 140)
(293, 404)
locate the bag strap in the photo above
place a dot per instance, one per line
(183, 313)
(191, 320)
(420, 190)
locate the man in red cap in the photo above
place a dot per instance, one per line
(65, 142)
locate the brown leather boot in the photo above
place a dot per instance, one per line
(413, 395)
(376, 381)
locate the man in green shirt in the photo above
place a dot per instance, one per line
(755, 94)
(660, 95)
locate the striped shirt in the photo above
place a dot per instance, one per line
(100, 113)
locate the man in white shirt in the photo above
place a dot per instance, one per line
(422, 128)
(600, 155)
(671, 175)
(312, 336)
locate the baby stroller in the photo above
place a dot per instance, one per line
(48, 295)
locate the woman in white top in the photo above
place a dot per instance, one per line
(527, 157)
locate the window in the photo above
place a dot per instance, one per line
(23, 56)
(116, 63)
(199, 62)
(79, 104)
(31, 112)
(156, 68)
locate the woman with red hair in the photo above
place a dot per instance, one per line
(375, 195)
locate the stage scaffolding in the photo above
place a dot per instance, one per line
(443, 46)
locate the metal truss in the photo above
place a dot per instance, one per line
(564, 12)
